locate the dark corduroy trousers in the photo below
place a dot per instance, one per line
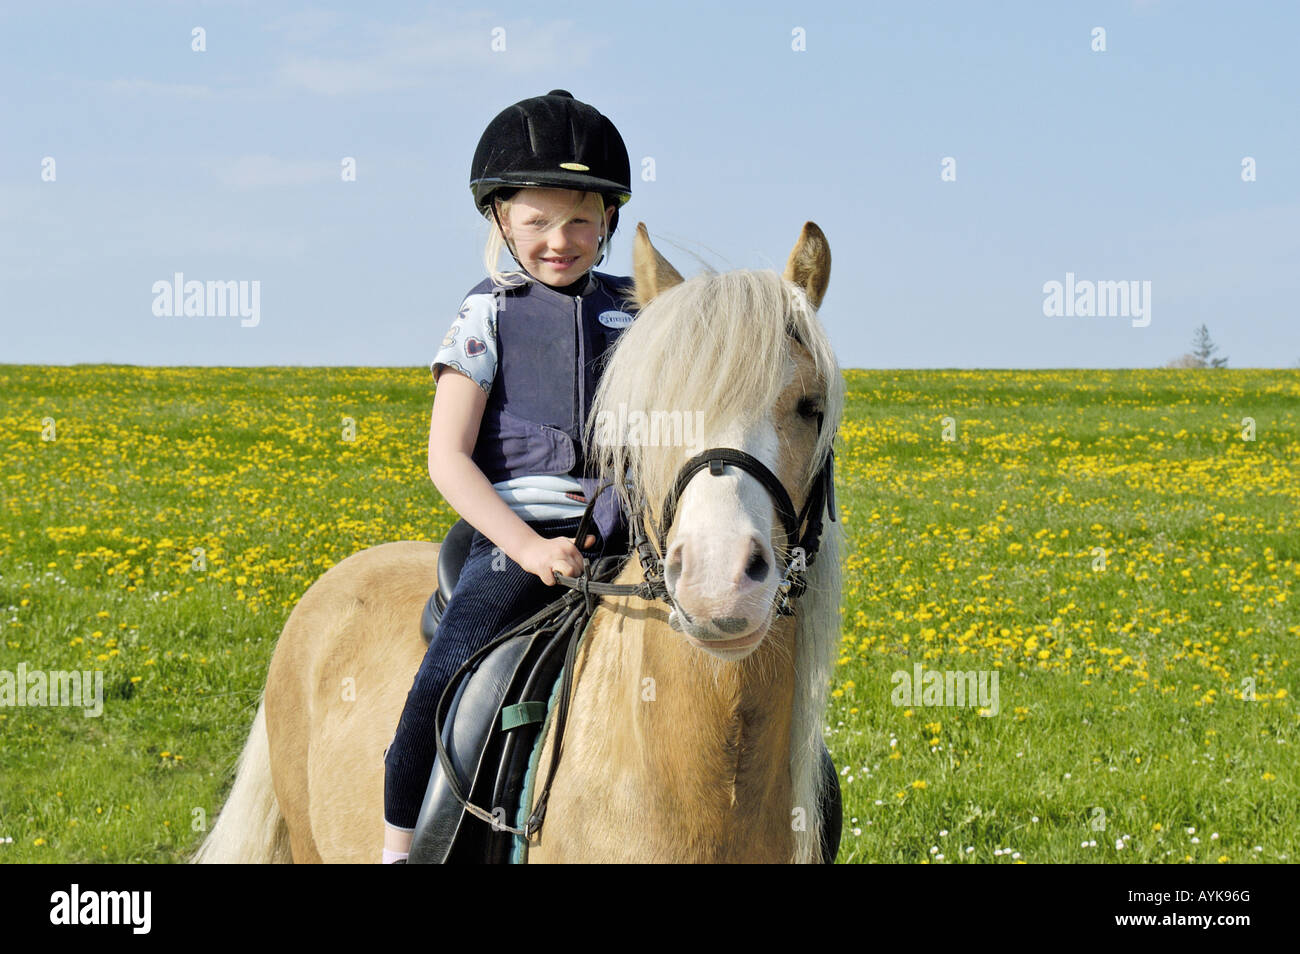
(492, 593)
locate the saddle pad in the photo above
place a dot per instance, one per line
(519, 852)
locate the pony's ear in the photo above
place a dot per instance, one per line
(651, 271)
(809, 266)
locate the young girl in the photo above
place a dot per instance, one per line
(515, 377)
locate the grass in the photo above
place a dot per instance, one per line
(168, 528)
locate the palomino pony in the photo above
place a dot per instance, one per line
(694, 731)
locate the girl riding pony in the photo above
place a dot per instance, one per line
(515, 377)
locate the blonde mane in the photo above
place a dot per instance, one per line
(717, 344)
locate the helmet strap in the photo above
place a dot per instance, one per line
(603, 248)
(509, 245)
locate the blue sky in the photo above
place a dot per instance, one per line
(1123, 165)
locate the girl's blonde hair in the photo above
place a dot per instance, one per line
(496, 242)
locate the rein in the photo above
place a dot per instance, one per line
(566, 619)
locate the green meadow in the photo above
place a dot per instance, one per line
(1116, 551)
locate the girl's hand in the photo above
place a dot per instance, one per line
(543, 556)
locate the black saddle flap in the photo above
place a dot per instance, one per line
(470, 723)
(491, 761)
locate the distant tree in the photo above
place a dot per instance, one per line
(1203, 349)
(1186, 361)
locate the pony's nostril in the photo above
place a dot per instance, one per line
(757, 567)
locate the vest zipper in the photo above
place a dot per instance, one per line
(580, 386)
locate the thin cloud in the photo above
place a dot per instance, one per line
(129, 87)
(428, 54)
(305, 27)
(254, 172)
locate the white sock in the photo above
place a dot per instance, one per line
(397, 843)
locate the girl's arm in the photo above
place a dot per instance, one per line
(458, 405)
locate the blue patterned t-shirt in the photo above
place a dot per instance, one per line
(470, 345)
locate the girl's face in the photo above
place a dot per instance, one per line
(553, 250)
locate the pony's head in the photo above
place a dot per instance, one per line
(739, 360)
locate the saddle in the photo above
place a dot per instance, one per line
(492, 717)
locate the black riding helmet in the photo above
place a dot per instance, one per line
(550, 142)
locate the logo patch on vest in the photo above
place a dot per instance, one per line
(615, 319)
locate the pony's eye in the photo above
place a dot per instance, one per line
(809, 407)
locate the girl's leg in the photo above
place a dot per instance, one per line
(493, 591)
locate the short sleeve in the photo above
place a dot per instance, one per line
(470, 345)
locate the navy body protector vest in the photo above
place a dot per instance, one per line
(550, 353)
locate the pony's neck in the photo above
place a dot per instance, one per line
(679, 756)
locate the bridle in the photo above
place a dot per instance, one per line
(716, 459)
